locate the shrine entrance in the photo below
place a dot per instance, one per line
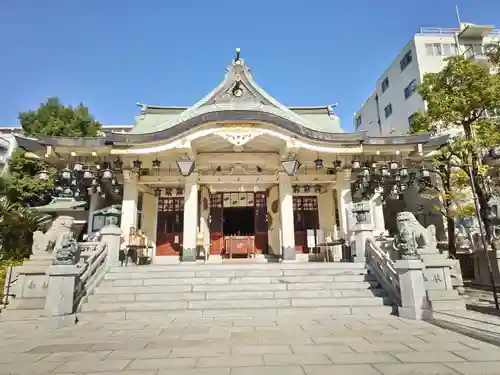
(238, 224)
(305, 216)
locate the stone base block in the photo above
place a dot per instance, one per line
(412, 313)
(188, 255)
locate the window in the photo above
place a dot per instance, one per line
(388, 110)
(358, 122)
(406, 60)
(411, 119)
(438, 50)
(410, 89)
(447, 49)
(385, 84)
(429, 50)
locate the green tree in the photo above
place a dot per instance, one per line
(17, 224)
(460, 97)
(52, 118)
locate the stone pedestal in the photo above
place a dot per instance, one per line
(289, 254)
(30, 289)
(438, 283)
(61, 292)
(413, 295)
(112, 237)
(362, 231)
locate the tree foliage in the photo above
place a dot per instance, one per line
(17, 224)
(55, 119)
(460, 100)
(52, 118)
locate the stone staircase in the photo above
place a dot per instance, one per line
(267, 291)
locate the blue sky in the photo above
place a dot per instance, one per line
(110, 54)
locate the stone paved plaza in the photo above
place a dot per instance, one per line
(350, 345)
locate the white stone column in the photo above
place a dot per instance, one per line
(344, 200)
(414, 303)
(274, 222)
(286, 217)
(204, 215)
(377, 214)
(326, 211)
(149, 217)
(129, 205)
(93, 206)
(190, 218)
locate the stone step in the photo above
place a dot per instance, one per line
(233, 273)
(18, 315)
(239, 280)
(183, 267)
(107, 288)
(234, 295)
(254, 313)
(232, 304)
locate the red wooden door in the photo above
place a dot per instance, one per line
(170, 225)
(261, 227)
(305, 216)
(216, 231)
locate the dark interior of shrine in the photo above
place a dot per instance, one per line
(239, 221)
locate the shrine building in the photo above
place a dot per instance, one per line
(236, 173)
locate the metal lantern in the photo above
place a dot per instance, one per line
(156, 164)
(403, 172)
(394, 165)
(78, 167)
(107, 174)
(365, 172)
(384, 171)
(117, 164)
(88, 174)
(43, 175)
(318, 163)
(137, 164)
(291, 166)
(66, 174)
(68, 192)
(186, 167)
(425, 173)
(356, 164)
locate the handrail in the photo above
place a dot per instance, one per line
(92, 271)
(447, 31)
(382, 266)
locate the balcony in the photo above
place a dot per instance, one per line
(474, 54)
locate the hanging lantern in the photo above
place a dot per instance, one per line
(394, 165)
(74, 182)
(88, 174)
(356, 164)
(116, 190)
(403, 172)
(137, 164)
(186, 167)
(156, 164)
(425, 173)
(318, 163)
(66, 174)
(290, 166)
(43, 175)
(107, 174)
(117, 164)
(78, 167)
(365, 172)
(384, 171)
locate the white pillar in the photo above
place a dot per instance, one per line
(93, 206)
(274, 222)
(129, 205)
(190, 218)
(286, 217)
(326, 212)
(344, 200)
(149, 217)
(378, 219)
(204, 215)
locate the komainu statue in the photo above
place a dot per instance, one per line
(67, 253)
(45, 243)
(425, 238)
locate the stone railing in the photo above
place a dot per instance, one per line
(381, 265)
(92, 269)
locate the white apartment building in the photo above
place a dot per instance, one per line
(390, 107)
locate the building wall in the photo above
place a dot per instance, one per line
(7, 146)
(424, 60)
